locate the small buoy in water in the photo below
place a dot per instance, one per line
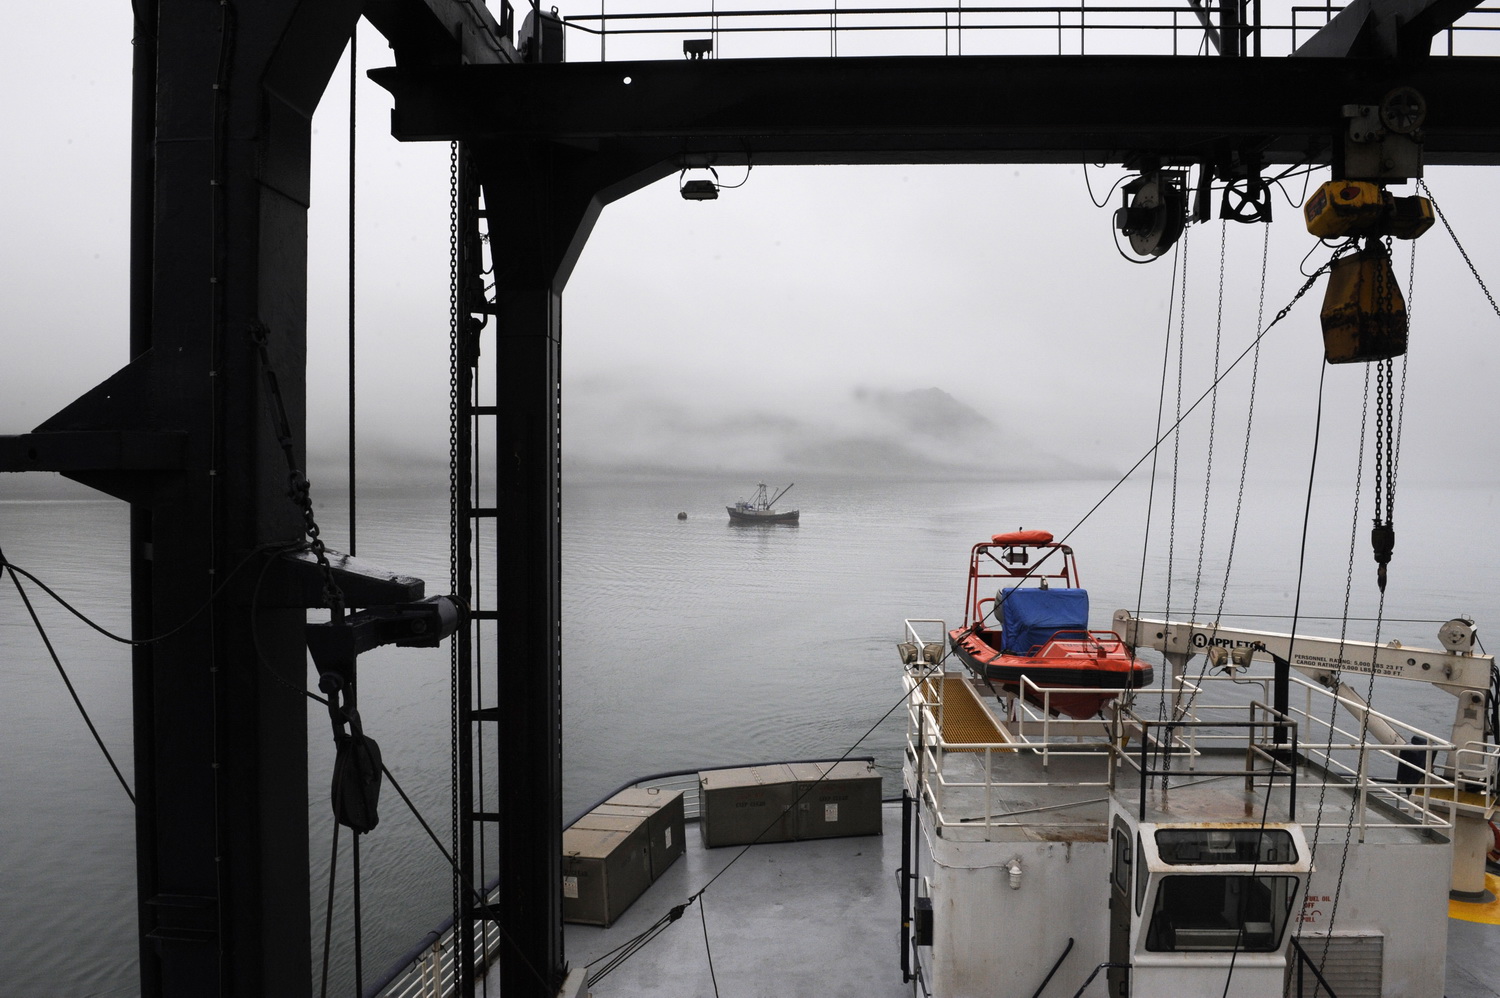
(682, 516)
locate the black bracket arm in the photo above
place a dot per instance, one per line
(336, 644)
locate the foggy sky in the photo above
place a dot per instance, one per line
(749, 333)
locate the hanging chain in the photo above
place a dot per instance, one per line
(1422, 184)
(1383, 534)
(459, 882)
(299, 489)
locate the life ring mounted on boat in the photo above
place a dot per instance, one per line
(1017, 537)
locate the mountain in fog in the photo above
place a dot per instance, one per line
(864, 431)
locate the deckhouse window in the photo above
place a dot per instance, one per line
(1220, 912)
(1218, 846)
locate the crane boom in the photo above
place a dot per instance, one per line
(1454, 670)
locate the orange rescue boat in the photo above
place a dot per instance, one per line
(1038, 627)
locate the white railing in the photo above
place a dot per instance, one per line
(1333, 749)
(628, 30)
(1028, 729)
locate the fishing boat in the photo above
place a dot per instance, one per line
(1037, 628)
(757, 509)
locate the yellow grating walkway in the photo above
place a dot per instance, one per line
(965, 719)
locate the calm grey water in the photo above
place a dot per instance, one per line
(686, 643)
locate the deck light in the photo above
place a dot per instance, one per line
(699, 190)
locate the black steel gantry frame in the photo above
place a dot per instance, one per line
(224, 98)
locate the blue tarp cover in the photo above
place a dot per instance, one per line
(1030, 617)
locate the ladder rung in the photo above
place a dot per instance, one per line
(484, 512)
(484, 614)
(484, 815)
(485, 714)
(484, 410)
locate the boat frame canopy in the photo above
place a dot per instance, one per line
(1016, 563)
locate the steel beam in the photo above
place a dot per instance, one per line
(981, 109)
(1385, 29)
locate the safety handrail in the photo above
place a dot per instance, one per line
(1080, 27)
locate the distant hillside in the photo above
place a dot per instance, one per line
(930, 412)
(865, 431)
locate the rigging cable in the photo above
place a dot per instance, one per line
(1239, 501)
(66, 681)
(1364, 735)
(1213, 420)
(273, 546)
(1112, 188)
(353, 89)
(1161, 402)
(1364, 730)
(1335, 676)
(703, 917)
(333, 869)
(1176, 432)
(353, 520)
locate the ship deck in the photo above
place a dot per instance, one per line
(816, 917)
(823, 917)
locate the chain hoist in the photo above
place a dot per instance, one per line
(1364, 316)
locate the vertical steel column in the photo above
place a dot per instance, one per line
(462, 457)
(223, 101)
(527, 250)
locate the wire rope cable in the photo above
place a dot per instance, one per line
(353, 132)
(1239, 501)
(137, 642)
(333, 868)
(1213, 419)
(1161, 402)
(72, 692)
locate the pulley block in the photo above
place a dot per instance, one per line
(1364, 313)
(1155, 212)
(1246, 199)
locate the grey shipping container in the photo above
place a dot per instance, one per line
(606, 865)
(783, 803)
(663, 813)
(835, 800)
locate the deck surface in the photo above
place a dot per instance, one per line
(823, 918)
(818, 917)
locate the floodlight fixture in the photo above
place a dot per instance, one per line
(699, 190)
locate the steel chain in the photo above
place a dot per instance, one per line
(299, 489)
(459, 884)
(1462, 252)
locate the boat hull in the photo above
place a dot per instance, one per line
(762, 516)
(1092, 660)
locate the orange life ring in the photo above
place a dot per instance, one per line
(1022, 537)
